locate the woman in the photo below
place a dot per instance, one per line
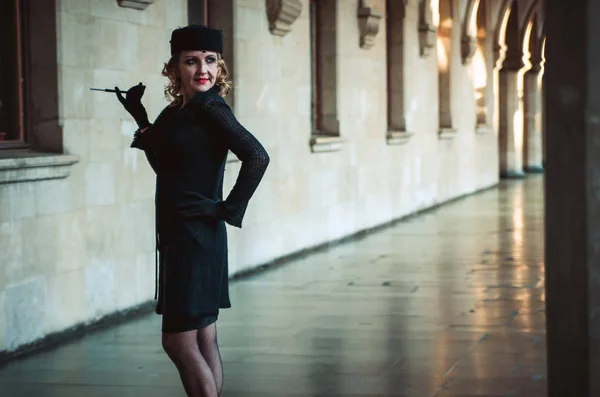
(187, 147)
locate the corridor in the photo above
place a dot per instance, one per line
(445, 303)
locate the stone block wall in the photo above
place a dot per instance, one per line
(78, 248)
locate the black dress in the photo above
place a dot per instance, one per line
(187, 148)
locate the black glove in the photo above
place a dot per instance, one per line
(138, 140)
(199, 206)
(133, 104)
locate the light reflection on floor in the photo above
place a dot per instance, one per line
(447, 303)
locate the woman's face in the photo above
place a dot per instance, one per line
(198, 71)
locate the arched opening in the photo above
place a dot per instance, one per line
(532, 142)
(510, 98)
(479, 66)
(541, 105)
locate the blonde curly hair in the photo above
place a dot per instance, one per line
(173, 87)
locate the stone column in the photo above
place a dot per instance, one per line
(511, 117)
(572, 190)
(542, 106)
(532, 144)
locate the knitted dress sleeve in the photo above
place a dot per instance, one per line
(144, 141)
(248, 150)
(148, 140)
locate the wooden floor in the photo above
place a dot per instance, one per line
(448, 303)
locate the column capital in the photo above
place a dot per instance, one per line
(513, 61)
(536, 62)
(535, 68)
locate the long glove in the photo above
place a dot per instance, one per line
(199, 206)
(132, 102)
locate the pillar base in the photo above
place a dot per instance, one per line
(512, 175)
(534, 169)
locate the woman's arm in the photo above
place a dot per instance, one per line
(248, 149)
(142, 139)
(146, 138)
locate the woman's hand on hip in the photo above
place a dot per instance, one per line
(197, 205)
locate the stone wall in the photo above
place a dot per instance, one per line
(78, 248)
(310, 198)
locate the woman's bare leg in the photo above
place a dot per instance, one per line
(196, 375)
(209, 348)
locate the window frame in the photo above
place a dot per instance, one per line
(20, 140)
(316, 76)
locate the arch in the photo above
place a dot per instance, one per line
(533, 141)
(529, 12)
(528, 42)
(513, 40)
(543, 37)
(499, 47)
(529, 29)
(541, 16)
(509, 72)
(469, 31)
(427, 28)
(470, 19)
(542, 106)
(499, 17)
(542, 48)
(479, 69)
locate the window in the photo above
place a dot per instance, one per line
(480, 76)
(324, 68)
(395, 12)
(315, 67)
(445, 58)
(29, 95)
(198, 12)
(217, 14)
(11, 75)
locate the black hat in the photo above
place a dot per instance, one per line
(196, 37)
